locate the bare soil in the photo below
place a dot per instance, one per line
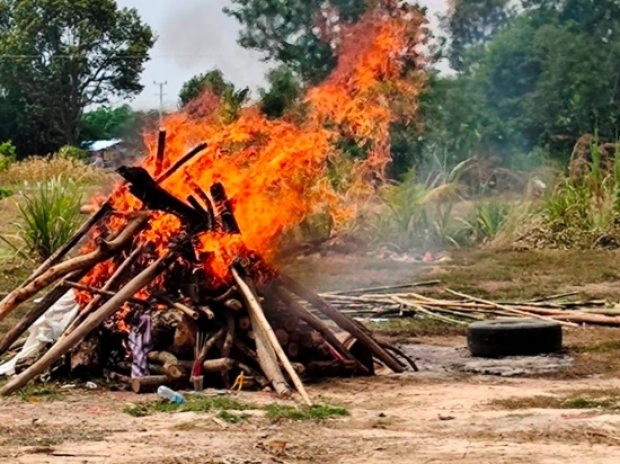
(424, 417)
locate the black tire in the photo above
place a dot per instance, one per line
(495, 339)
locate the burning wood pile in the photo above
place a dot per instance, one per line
(177, 321)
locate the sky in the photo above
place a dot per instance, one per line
(195, 36)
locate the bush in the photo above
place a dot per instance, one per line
(73, 153)
(7, 155)
(49, 215)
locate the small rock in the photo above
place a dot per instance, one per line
(446, 418)
(381, 414)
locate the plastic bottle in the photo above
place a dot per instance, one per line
(170, 395)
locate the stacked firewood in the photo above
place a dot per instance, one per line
(250, 329)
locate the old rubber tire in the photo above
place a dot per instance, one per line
(494, 339)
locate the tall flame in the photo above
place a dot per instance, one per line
(276, 171)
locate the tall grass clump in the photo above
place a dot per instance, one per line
(581, 211)
(42, 169)
(48, 215)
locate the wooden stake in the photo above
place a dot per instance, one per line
(258, 316)
(161, 150)
(180, 162)
(103, 252)
(92, 322)
(344, 322)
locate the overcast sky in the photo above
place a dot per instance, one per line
(195, 36)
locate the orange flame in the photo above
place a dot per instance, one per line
(275, 172)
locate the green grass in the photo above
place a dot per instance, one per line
(225, 405)
(279, 412)
(193, 404)
(40, 393)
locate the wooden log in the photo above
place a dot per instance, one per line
(154, 197)
(104, 251)
(93, 321)
(112, 282)
(171, 366)
(200, 193)
(244, 323)
(227, 346)
(282, 336)
(344, 322)
(261, 325)
(85, 358)
(180, 162)
(318, 325)
(100, 292)
(148, 384)
(224, 209)
(291, 322)
(189, 312)
(292, 349)
(295, 336)
(36, 312)
(161, 150)
(207, 312)
(233, 304)
(311, 339)
(185, 335)
(116, 377)
(226, 295)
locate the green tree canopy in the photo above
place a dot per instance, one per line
(213, 81)
(284, 90)
(109, 123)
(59, 57)
(292, 32)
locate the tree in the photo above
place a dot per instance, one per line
(296, 33)
(212, 80)
(283, 92)
(106, 123)
(64, 55)
(472, 23)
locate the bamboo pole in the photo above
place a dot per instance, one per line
(111, 283)
(92, 322)
(35, 313)
(319, 326)
(104, 251)
(161, 150)
(344, 322)
(261, 324)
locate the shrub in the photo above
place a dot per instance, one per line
(73, 153)
(49, 214)
(7, 155)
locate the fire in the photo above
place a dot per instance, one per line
(275, 172)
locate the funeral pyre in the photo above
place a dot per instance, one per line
(176, 281)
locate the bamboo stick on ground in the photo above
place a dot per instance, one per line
(265, 335)
(92, 322)
(344, 322)
(508, 309)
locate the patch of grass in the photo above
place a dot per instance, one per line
(40, 393)
(571, 435)
(49, 436)
(278, 412)
(232, 418)
(605, 400)
(417, 328)
(193, 404)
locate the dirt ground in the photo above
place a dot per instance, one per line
(569, 416)
(409, 418)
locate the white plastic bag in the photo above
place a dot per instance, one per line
(46, 329)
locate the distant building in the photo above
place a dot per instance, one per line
(108, 153)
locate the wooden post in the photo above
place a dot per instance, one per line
(148, 384)
(92, 322)
(161, 150)
(344, 322)
(260, 324)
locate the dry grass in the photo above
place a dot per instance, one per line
(570, 435)
(607, 400)
(42, 435)
(37, 169)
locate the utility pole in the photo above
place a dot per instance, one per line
(161, 99)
